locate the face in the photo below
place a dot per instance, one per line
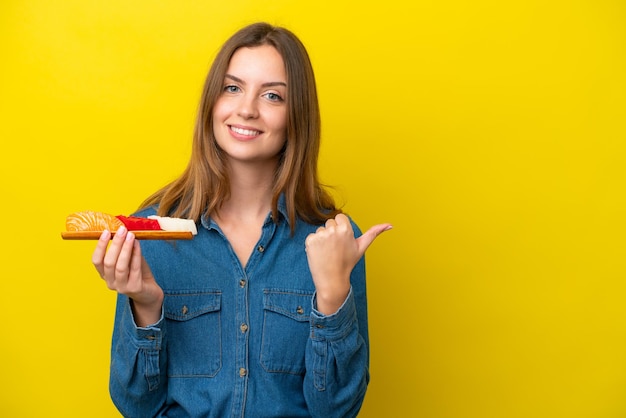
(250, 116)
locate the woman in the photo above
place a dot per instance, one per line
(263, 313)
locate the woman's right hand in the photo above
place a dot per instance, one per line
(124, 270)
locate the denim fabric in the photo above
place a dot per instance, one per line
(235, 342)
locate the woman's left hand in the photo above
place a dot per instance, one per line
(332, 252)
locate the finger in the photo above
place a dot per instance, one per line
(311, 237)
(342, 219)
(343, 225)
(97, 258)
(110, 259)
(122, 267)
(365, 240)
(136, 262)
(330, 223)
(123, 261)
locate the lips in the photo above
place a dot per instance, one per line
(244, 131)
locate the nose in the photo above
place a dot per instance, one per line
(248, 108)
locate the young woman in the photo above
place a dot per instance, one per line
(264, 312)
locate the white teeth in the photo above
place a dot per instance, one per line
(246, 132)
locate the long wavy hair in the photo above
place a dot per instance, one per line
(204, 184)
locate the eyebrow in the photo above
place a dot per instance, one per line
(268, 84)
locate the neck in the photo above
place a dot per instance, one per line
(251, 190)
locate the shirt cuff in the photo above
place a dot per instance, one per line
(336, 325)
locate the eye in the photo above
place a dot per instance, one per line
(273, 97)
(231, 88)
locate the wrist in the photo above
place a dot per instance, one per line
(329, 301)
(146, 314)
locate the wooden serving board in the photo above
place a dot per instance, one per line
(94, 235)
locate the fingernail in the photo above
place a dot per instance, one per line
(129, 236)
(105, 235)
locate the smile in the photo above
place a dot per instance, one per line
(246, 132)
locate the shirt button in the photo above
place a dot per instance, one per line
(242, 283)
(299, 310)
(260, 248)
(242, 372)
(243, 327)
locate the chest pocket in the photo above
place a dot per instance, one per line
(286, 330)
(194, 334)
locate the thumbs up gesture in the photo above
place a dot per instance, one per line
(332, 252)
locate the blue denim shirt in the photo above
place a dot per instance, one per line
(240, 342)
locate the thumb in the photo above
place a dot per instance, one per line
(365, 240)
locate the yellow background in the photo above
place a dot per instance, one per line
(490, 133)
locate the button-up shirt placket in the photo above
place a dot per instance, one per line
(242, 314)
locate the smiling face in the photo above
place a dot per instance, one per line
(250, 116)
